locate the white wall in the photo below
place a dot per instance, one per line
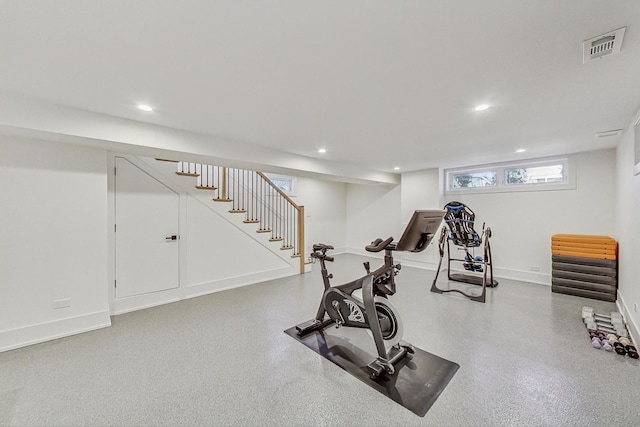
(628, 231)
(523, 222)
(219, 255)
(217, 250)
(53, 243)
(372, 211)
(420, 190)
(325, 208)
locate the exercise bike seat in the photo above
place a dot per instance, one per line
(378, 244)
(321, 246)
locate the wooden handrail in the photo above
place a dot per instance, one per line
(275, 187)
(300, 224)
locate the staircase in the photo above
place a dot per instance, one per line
(255, 196)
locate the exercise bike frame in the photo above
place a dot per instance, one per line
(381, 283)
(373, 312)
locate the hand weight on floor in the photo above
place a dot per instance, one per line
(619, 348)
(605, 323)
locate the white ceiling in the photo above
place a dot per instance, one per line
(377, 83)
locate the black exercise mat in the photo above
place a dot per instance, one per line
(417, 383)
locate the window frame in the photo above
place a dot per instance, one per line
(291, 179)
(568, 183)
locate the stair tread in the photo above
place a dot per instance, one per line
(272, 238)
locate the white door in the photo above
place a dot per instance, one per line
(146, 213)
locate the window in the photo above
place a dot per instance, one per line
(285, 183)
(474, 179)
(529, 175)
(534, 174)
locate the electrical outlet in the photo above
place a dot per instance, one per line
(534, 268)
(61, 303)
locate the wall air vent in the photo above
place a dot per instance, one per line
(603, 45)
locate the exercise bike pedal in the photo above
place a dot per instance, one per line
(312, 325)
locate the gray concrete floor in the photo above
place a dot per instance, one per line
(223, 359)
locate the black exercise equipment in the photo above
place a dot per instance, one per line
(374, 311)
(460, 220)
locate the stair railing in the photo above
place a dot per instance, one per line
(255, 195)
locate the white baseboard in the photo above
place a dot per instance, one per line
(205, 288)
(634, 331)
(34, 334)
(523, 276)
(153, 299)
(140, 302)
(431, 263)
(358, 251)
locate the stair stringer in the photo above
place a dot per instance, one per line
(167, 171)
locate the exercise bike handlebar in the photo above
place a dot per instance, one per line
(378, 244)
(320, 252)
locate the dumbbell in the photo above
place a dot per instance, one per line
(587, 311)
(605, 319)
(617, 319)
(605, 328)
(619, 348)
(596, 323)
(614, 318)
(616, 324)
(598, 342)
(629, 347)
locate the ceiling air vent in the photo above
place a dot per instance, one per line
(602, 45)
(607, 133)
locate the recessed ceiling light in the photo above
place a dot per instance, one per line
(144, 107)
(481, 107)
(521, 150)
(397, 168)
(322, 150)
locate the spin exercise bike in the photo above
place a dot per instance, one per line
(374, 311)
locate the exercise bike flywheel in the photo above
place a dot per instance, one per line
(391, 324)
